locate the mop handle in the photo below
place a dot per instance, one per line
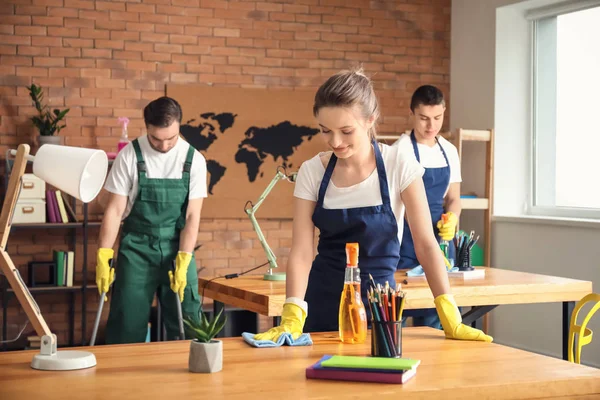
(99, 312)
(179, 313)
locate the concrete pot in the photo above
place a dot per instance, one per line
(206, 357)
(49, 140)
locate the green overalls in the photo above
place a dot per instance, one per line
(149, 244)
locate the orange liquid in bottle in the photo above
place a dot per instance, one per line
(352, 316)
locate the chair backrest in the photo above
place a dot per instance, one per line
(584, 334)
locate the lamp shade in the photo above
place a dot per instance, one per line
(77, 171)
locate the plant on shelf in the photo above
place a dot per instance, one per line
(48, 122)
(206, 353)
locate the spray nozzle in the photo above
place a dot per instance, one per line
(124, 121)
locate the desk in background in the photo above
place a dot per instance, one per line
(450, 369)
(497, 288)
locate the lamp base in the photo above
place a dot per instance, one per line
(274, 276)
(64, 361)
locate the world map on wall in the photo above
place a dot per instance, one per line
(278, 141)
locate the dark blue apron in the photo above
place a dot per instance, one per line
(376, 231)
(436, 181)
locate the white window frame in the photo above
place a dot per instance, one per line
(545, 149)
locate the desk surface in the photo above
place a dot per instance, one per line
(498, 287)
(449, 370)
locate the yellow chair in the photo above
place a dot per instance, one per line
(585, 334)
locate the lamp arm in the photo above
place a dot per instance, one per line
(254, 207)
(8, 268)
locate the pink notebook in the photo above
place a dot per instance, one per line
(317, 371)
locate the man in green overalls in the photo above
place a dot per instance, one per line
(157, 184)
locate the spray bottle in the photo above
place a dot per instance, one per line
(124, 140)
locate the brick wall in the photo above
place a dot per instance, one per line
(105, 59)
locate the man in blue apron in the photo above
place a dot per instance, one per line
(442, 179)
(157, 183)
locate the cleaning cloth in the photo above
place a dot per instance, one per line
(285, 338)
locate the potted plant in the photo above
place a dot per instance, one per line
(48, 123)
(206, 353)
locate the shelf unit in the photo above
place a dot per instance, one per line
(457, 137)
(6, 292)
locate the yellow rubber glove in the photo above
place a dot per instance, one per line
(452, 321)
(179, 279)
(447, 226)
(292, 321)
(105, 275)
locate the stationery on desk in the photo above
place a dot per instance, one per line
(463, 245)
(386, 306)
(363, 369)
(385, 365)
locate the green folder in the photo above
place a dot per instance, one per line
(357, 362)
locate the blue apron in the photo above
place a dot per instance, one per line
(376, 231)
(436, 181)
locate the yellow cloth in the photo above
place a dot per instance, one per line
(447, 228)
(292, 321)
(179, 279)
(452, 321)
(105, 275)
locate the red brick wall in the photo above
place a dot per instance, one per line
(105, 59)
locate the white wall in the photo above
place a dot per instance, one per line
(489, 87)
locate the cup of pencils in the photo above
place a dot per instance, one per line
(386, 306)
(464, 243)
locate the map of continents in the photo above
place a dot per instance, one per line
(278, 141)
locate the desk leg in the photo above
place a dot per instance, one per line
(217, 307)
(567, 310)
(72, 319)
(472, 316)
(4, 317)
(276, 321)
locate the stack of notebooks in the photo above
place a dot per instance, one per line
(363, 369)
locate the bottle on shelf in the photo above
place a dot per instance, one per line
(124, 140)
(352, 315)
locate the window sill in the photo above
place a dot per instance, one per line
(543, 220)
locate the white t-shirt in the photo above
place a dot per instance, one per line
(123, 176)
(401, 168)
(432, 157)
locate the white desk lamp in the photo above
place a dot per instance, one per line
(79, 172)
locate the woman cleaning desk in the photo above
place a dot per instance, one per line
(357, 192)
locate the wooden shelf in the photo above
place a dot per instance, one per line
(50, 289)
(470, 135)
(51, 225)
(475, 204)
(387, 138)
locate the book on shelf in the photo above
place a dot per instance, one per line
(58, 208)
(64, 261)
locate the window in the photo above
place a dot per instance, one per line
(566, 111)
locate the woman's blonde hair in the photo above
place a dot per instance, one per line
(346, 89)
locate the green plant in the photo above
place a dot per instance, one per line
(46, 122)
(202, 329)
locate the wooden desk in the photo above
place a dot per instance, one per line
(449, 369)
(498, 287)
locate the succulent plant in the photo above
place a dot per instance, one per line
(202, 329)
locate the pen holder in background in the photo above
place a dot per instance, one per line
(386, 339)
(465, 261)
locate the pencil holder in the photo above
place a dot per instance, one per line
(386, 339)
(465, 264)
